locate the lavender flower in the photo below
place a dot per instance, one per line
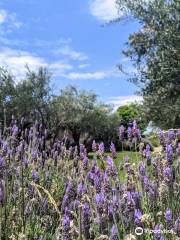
(178, 149)
(148, 154)
(121, 133)
(168, 215)
(169, 153)
(100, 199)
(2, 162)
(81, 189)
(130, 133)
(101, 149)
(111, 168)
(82, 150)
(94, 146)
(177, 226)
(157, 232)
(126, 158)
(113, 150)
(85, 162)
(114, 233)
(171, 135)
(142, 169)
(14, 130)
(167, 172)
(136, 131)
(161, 137)
(35, 176)
(137, 217)
(86, 220)
(66, 227)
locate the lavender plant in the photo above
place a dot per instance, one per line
(49, 191)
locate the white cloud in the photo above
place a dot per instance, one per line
(123, 100)
(65, 40)
(104, 10)
(3, 16)
(10, 19)
(85, 75)
(15, 61)
(83, 65)
(61, 65)
(68, 52)
(96, 75)
(59, 68)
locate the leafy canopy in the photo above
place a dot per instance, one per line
(155, 52)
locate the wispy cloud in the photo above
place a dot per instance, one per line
(104, 10)
(16, 60)
(96, 75)
(85, 75)
(8, 21)
(83, 65)
(59, 68)
(70, 53)
(123, 100)
(3, 16)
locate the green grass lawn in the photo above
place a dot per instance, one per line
(134, 157)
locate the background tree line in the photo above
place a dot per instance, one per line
(72, 113)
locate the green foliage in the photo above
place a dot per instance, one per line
(34, 95)
(155, 52)
(7, 95)
(130, 112)
(81, 113)
(153, 138)
(76, 111)
(29, 98)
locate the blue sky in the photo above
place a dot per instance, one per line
(71, 39)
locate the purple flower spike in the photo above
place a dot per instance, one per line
(167, 172)
(130, 133)
(169, 153)
(2, 162)
(114, 233)
(142, 169)
(161, 137)
(85, 162)
(121, 133)
(137, 217)
(168, 215)
(171, 135)
(66, 227)
(178, 149)
(86, 220)
(113, 150)
(35, 176)
(101, 148)
(126, 158)
(177, 226)
(94, 146)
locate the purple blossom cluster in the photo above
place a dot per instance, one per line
(49, 191)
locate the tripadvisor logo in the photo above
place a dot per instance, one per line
(139, 231)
